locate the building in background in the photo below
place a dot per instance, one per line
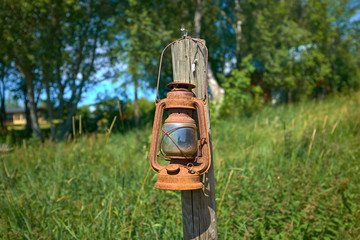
(17, 117)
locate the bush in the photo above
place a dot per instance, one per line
(240, 95)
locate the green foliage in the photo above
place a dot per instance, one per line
(295, 174)
(146, 111)
(107, 109)
(57, 48)
(240, 94)
(300, 47)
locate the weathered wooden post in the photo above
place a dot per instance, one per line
(198, 206)
(184, 139)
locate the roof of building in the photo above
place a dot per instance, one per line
(15, 110)
(21, 110)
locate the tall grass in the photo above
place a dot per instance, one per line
(288, 172)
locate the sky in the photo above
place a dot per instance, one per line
(109, 88)
(114, 89)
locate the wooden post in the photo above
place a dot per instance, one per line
(198, 206)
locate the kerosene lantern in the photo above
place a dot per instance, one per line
(183, 142)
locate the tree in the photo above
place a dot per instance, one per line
(82, 41)
(19, 20)
(216, 91)
(58, 46)
(3, 75)
(144, 33)
(298, 47)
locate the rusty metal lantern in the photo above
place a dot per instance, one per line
(183, 142)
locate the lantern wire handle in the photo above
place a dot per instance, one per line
(161, 57)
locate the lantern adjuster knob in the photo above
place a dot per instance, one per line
(172, 169)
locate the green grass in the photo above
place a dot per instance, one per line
(288, 172)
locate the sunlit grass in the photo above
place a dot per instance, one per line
(288, 172)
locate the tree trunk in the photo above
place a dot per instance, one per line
(136, 101)
(197, 19)
(2, 108)
(332, 81)
(333, 86)
(28, 77)
(66, 126)
(238, 33)
(27, 112)
(238, 43)
(46, 79)
(60, 110)
(32, 108)
(49, 108)
(289, 96)
(216, 91)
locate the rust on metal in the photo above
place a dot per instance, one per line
(185, 145)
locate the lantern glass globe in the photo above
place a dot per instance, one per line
(185, 137)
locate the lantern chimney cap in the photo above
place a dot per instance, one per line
(182, 85)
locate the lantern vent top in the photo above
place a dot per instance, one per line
(176, 86)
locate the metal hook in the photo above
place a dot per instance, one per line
(184, 32)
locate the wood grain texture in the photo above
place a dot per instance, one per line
(198, 206)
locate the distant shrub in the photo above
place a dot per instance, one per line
(240, 95)
(13, 137)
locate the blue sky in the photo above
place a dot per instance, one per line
(113, 88)
(109, 88)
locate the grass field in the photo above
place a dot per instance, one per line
(287, 172)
